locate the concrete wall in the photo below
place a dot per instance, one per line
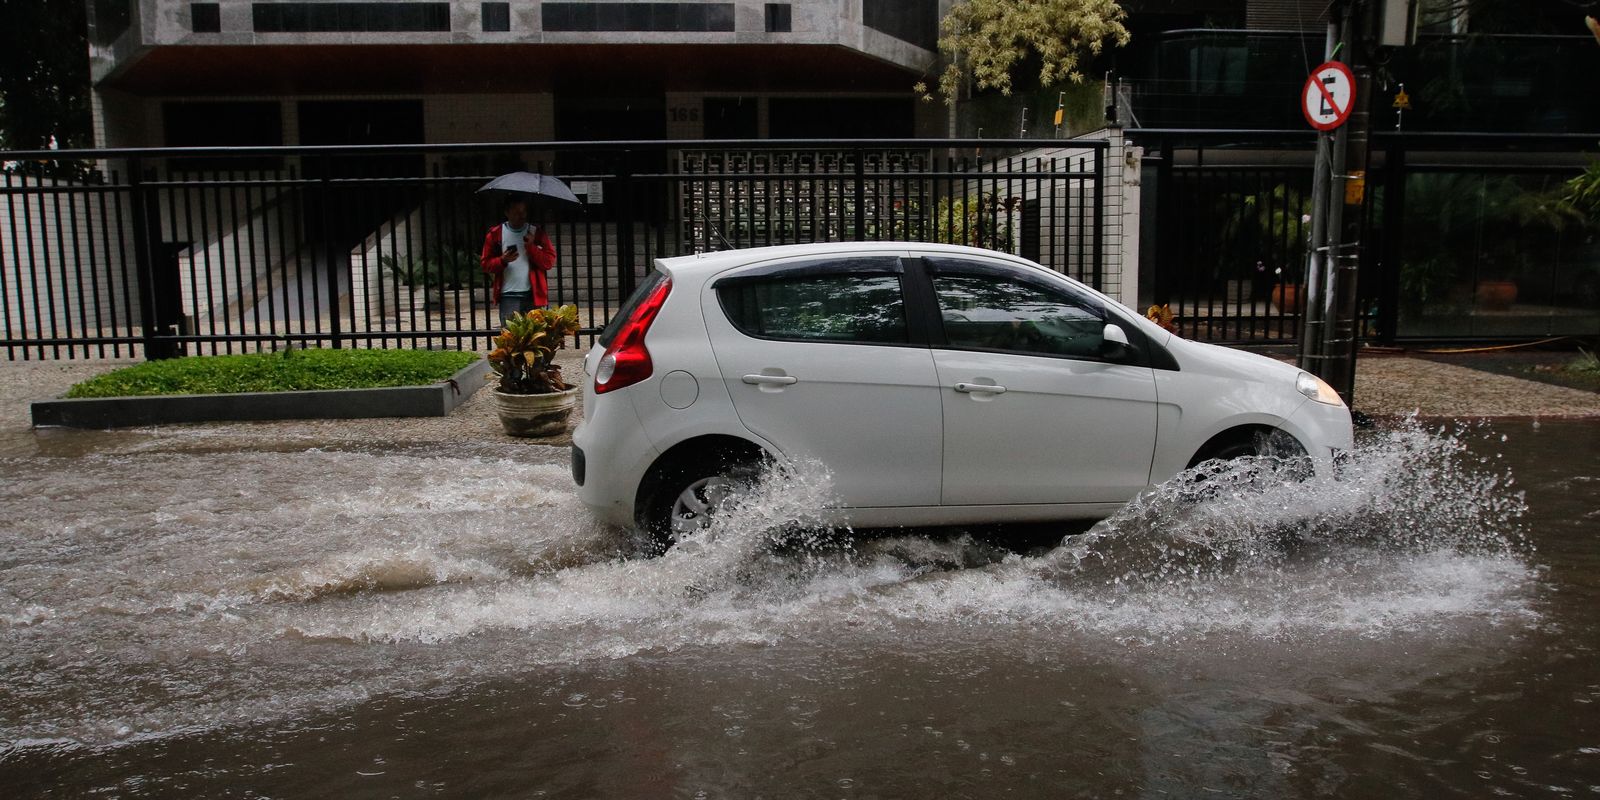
(1064, 247)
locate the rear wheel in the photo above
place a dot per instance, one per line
(689, 497)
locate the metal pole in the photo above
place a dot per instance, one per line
(1329, 335)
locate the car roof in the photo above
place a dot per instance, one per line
(704, 264)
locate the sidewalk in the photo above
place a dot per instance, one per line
(1385, 386)
(1398, 385)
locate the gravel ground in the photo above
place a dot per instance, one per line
(1385, 386)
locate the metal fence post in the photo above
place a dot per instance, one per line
(156, 346)
(625, 248)
(1098, 272)
(330, 262)
(861, 195)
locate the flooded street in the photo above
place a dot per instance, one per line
(200, 615)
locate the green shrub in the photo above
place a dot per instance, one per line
(444, 268)
(1586, 363)
(290, 370)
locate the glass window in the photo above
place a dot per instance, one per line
(987, 312)
(497, 17)
(205, 17)
(834, 307)
(656, 17)
(780, 17)
(349, 17)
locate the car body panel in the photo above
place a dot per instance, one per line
(1089, 429)
(839, 396)
(913, 451)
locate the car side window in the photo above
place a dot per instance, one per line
(832, 307)
(992, 312)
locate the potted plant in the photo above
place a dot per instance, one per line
(531, 398)
(1285, 295)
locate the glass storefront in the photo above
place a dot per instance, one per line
(1496, 254)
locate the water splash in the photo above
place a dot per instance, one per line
(228, 587)
(1407, 489)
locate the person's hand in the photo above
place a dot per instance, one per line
(509, 254)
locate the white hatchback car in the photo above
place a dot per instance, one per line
(939, 385)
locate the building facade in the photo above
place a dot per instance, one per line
(270, 72)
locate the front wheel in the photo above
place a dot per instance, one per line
(1275, 443)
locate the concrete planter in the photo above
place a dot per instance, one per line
(435, 400)
(535, 415)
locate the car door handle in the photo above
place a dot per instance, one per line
(770, 380)
(980, 388)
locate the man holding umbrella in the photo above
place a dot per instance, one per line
(516, 253)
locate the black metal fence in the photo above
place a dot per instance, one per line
(159, 252)
(1467, 235)
(1230, 231)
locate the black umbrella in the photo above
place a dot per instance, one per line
(531, 183)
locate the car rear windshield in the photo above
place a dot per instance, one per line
(638, 296)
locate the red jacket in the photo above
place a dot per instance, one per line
(541, 257)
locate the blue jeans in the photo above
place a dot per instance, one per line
(514, 303)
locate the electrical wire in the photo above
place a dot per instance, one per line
(1465, 350)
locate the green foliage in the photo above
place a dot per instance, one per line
(1586, 363)
(981, 220)
(1426, 282)
(524, 349)
(290, 370)
(1267, 228)
(989, 40)
(444, 268)
(1583, 192)
(44, 74)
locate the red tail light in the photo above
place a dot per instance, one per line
(626, 361)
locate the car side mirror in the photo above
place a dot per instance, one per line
(1114, 345)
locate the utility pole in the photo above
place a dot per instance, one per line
(1338, 213)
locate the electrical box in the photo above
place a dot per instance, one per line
(1397, 23)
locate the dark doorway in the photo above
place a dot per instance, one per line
(841, 118)
(223, 124)
(732, 118)
(353, 210)
(587, 118)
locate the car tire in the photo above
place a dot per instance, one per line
(689, 496)
(1258, 443)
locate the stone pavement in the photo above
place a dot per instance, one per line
(1392, 386)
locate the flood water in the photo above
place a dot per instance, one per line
(192, 615)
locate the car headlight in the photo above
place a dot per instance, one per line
(1317, 389)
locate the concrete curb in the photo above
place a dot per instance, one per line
(436, 400)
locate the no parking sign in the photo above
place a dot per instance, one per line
(1329, 96)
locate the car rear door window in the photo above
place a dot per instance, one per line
(830, 307)
(994, 312)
